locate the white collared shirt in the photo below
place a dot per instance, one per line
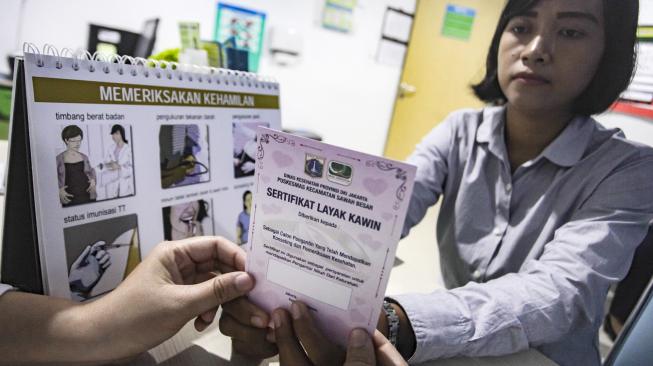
(528, 255)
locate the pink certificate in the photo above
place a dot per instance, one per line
(325, 226)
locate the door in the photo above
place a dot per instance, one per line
(441, 64)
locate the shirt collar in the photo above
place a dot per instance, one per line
(566, 150)
(491, 131)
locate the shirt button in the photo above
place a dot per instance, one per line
(476, 275)
(508, 187)
(497, 232)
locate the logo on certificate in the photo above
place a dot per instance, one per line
(339, 173)
(314, 166)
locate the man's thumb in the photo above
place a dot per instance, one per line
(220, 289)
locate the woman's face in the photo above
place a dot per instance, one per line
(549, 55)
(74, 143)
(248, 202)
(183, 219)
(117, 138)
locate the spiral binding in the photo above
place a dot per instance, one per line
(82, 59)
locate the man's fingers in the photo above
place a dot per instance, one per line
(246, 313)
(319, 348)
(205, 276)
(225, 268)
(290, 350)
(216, 291)
(386, 353)
(360, 351)
(213, 248)
(229, 286)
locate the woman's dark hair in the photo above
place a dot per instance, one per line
(167, 225)
(119, 128)
(244, 196)
(202, 213)
(615, 69)
(71, 131)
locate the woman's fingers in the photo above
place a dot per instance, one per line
(205, 319)
(319, 348)
(386, 353)
(360, 351)
(247, 340)
(246, 313)
(290, 350)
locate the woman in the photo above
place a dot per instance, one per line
(542, 207)
(118, 176)
(242, 227)
(184, 220)
(74, 172)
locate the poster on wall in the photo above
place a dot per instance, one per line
(338, 15)
(5, 108)
(245, 27)
(458, 22)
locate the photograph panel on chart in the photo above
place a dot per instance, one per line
(184, 155)
(94, 163)
(242, 221)
(188, 219)
(244, 154)
(100, 255)
(232, 218)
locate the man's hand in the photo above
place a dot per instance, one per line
(174, 284)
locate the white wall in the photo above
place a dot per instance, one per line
(635, 128)
(646, 12)
(337, 90)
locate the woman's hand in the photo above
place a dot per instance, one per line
(247, 325)
(64, 196)
(112, 165)
(315, 348)
(301, 343)
(91, 185)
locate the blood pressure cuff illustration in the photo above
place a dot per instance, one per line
(179, 146)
